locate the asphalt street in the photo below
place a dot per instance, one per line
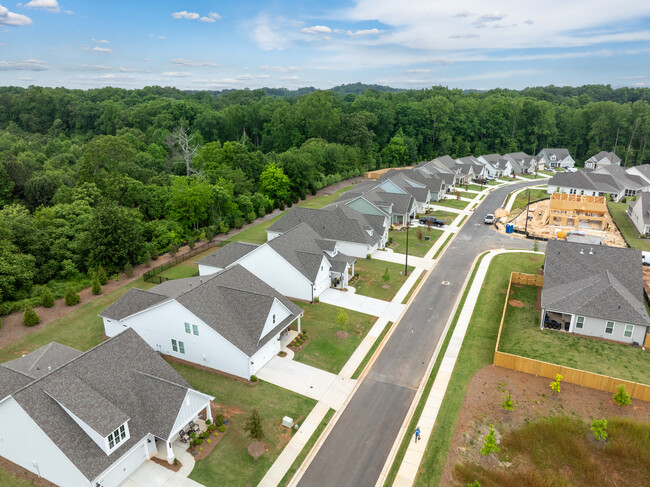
(356, 449)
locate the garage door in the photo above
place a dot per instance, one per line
(124, 467)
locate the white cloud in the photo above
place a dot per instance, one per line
(95, 67)
(280, 69)
(244, 77)
(123, 69)
(290, 78)
(101, 50)
(162, 37)
(185, 15)
(189, 62)
(215, 16)
(316, 29)
(49, 5)
(418, 70)
(274, 32)
(101, 41)
(364, 32)
(14, 19)
(207, 19)
(263, 76)
(24, 65)
(176, 74)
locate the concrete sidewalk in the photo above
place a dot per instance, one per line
(398, 258)
(356, 302)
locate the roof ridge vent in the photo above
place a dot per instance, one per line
(582, 252)
(591, 251)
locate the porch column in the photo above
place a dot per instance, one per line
(541, 325)
(299, 329)
(208, 412)
(352, 273)
(572, 323)
(170, 452)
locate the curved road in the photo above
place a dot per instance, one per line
(356, 449)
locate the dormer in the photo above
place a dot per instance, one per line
(552, 157)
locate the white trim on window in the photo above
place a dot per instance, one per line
(174, 345)
(195, 330)
(580, 322)
(628, 329)
(187, 328)
(611, 329)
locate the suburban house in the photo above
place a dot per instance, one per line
(639, 212)
(298, 263)
(595, 291)
(92, 418)
(528, 164)
(495, 165)
(478, 168)
(555, 158)
(608, 179)
(385, 195)
(603, 158)
(464, 173)
(229, 321)
(438, 169)
(419, 191)
(356, 234)
(431, 181)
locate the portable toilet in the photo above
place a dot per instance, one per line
(510, 228)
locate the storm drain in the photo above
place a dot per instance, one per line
(445, 283)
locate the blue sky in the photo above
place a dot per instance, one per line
(414, 44)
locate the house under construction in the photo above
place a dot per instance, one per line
(571, 209)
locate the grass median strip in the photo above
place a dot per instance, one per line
(374, 347)
(413, 288)
(444, 244)
(307, 448)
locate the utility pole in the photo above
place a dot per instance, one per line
(406, 263)
(527, 207)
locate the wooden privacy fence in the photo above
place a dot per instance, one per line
(152, 275)
(546, 369)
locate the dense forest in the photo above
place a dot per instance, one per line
(111, 177)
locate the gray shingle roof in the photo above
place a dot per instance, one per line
(559, 153)
(131, 302)
(613, 158)
(603, 282)
(642, 206)
(298, 247)
(228, 254)
(43, 360)
(111, 370)
(11, 381)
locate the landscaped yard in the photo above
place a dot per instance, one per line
(521, 335)
(324, 200)
(229, 463)
(370, 281)
(475, 187)
(548, 173)
(471, 196)
(453, 203)
(448, 216)
(417, 247)
(10, 480)
(624, 224)
(329, 349)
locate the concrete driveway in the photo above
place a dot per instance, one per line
(151, 474)
(355, 302)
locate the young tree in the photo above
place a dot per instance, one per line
(599, 428)
(555, 386)
(342, 318)
(490, 443)
(275, 184)
(71, 297)
(254, 425)
(30, 318)
(385, 276)
(101, 275)
(97, 287)
(621, 396)
(47, 298)
(128, 270)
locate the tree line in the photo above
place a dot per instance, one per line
(107, 177)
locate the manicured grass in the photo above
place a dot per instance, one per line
(370, 281)
(229, 463)
(462, 220)
(307, 448)
(548, 173)
(624, 224)
(418, 248)
(475, 187)
(448, 216)
(521, 200)
(81, 329)
(476, 352)
(521, 335)
(255, 234)
(471, 196)
(453, 203)
(180, 271)
(324, 200)
(10, 480)
(370, 353)
(325, 350)
(442, 247)
(413, 288)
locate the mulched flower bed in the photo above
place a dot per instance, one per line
(299, 342)
(174, 467)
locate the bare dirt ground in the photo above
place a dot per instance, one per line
(482, 407)
(12, 325)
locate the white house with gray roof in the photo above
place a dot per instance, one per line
(298, 263)
(614, 180)
(603, 158)
(386, 196)
(92, 418)
(595, 291)
(556, 158)
(229, 321)
(639, 213)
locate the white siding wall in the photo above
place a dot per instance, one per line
(264, 354)
(280, 311)
(271, 268)
(159, 325)
(633, 212)
(271, 235)
(23, 442)
(322, 281)
(206, 270)
(193, 404)
(357, 250)
(595, 327)
(126, 464)
(102, 441)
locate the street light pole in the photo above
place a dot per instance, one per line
(527, 208)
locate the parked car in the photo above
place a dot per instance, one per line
(426, 220)
(645, 258)
(489, 219)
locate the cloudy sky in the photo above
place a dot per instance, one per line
(293, 43)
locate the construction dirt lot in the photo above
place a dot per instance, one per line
(539, 225)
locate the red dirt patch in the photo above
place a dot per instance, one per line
(256, 449)
(482, 406)
(534, 258)
(342, 334)
(516, 303)
(385, 286)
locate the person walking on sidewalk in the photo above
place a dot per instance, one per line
(417, 434)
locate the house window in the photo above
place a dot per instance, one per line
(609, 328)
(116, 437)
(580, 322)
(187, 328)
(174, 345)
(195, 329)
(181, 347)
(629, 330)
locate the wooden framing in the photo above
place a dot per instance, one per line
(564, 207)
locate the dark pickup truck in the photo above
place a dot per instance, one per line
(426, 220)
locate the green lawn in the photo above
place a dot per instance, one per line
(521, 200)
(448, 216)
(624, 224)
(453, 203)
(471, 196)
(229, 463)
(324, 200)
(10, 480)
(418, 248)
(255, 234)
(370, 281)
(372, 350)
(476, 352)
(325, 350)
(548, 173)
(81, 329)
(475, 187)
(307, 448)
(521, 336)
(442, 247)
(182, 270)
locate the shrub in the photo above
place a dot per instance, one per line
(173, 249)
(222, 428)
(219, 419)
(101, 275)
(281, 206)
(253, 378)
(211, 427)
(208, 441)
(202, 236)
(508, 404)
(205, 435)
(47, 298)
(476, 483)
(147, 260)
(419, 234)
(30, 318)
(71, 297)
(385, 276)
(599, 428)
(191, 243)
(621, 397)
(116, 276)
(97, 287)
(490, 443)
(208, 421)
(153, 253)
(128, 270)
(556, 385)
(368, 256)
(175, 461)
(316, 299)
